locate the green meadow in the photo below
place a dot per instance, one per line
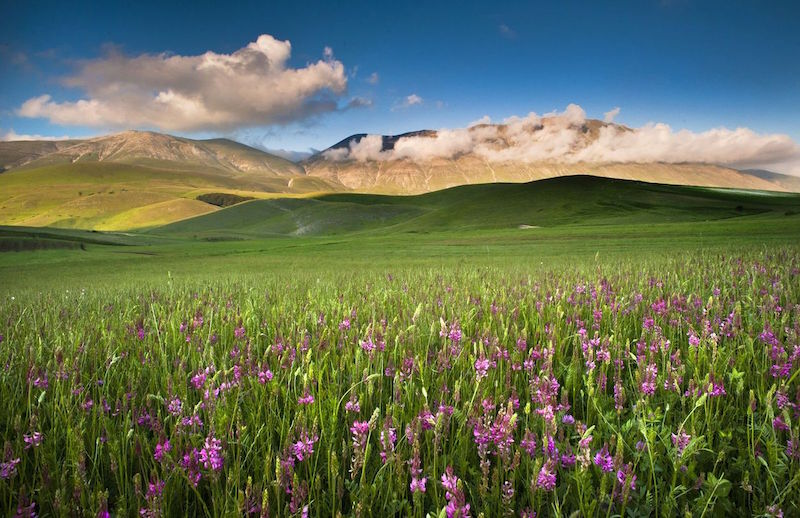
(571, 347)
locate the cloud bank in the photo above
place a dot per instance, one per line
(12, 135)
(251, 86)
(570, 137)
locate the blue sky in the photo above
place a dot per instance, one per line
(690, 64)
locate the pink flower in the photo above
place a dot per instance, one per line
(306, 399)
(265, 376)
(211, 455)
(681, 440)
(418, 484)
(352, 406)
(457, 505)
(529, 443)
(304, 447)
(547, 477)
(481, 368)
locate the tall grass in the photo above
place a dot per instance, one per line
(642, 387)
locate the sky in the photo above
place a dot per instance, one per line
(300, 77)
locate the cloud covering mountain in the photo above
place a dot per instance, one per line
(569, 137)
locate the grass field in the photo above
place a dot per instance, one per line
(593, 346)
(119, 196)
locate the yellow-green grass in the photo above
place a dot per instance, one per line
(113, 196)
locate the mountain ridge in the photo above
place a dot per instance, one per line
(140, 179)
(365, 165)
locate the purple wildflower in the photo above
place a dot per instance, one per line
(32, 440)
(457, 505)
(418, 484)
(547, 476)
(360, 431)
(211, 455)
(603, 459)
(175, 407)
(779, 424)
(304, 447)
(9, 468)
(529, 443)
(191, 465)
(265, 376)
(352, 406)
(680, 441)
(481, 367)
(649, 384)
(161, 450)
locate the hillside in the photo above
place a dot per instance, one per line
(168, 152)
(20, 152)
(576, 200)
(136, 179)
(140, 179)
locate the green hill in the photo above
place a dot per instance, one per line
(576, 200)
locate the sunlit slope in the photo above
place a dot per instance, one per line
(136, 179)
(115, 196)
(577, 200)
(292, 217)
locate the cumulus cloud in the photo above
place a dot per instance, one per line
(373, 78)
(251, 86)
(570, 137)
(13, 135)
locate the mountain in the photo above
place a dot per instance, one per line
(140, 179)
(167, 152)
(136, 179)
(789, 183)
(486, 153)
(20, 152)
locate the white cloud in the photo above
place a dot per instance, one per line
(408, 102)
(610, 115)
(569, 137)
(412, 99)
(251, 86)
(373, 78)
(13, 135)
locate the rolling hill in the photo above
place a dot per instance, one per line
(136, 179)
(140, 179)
(574, 200)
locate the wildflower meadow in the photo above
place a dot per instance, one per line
(621, 387)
